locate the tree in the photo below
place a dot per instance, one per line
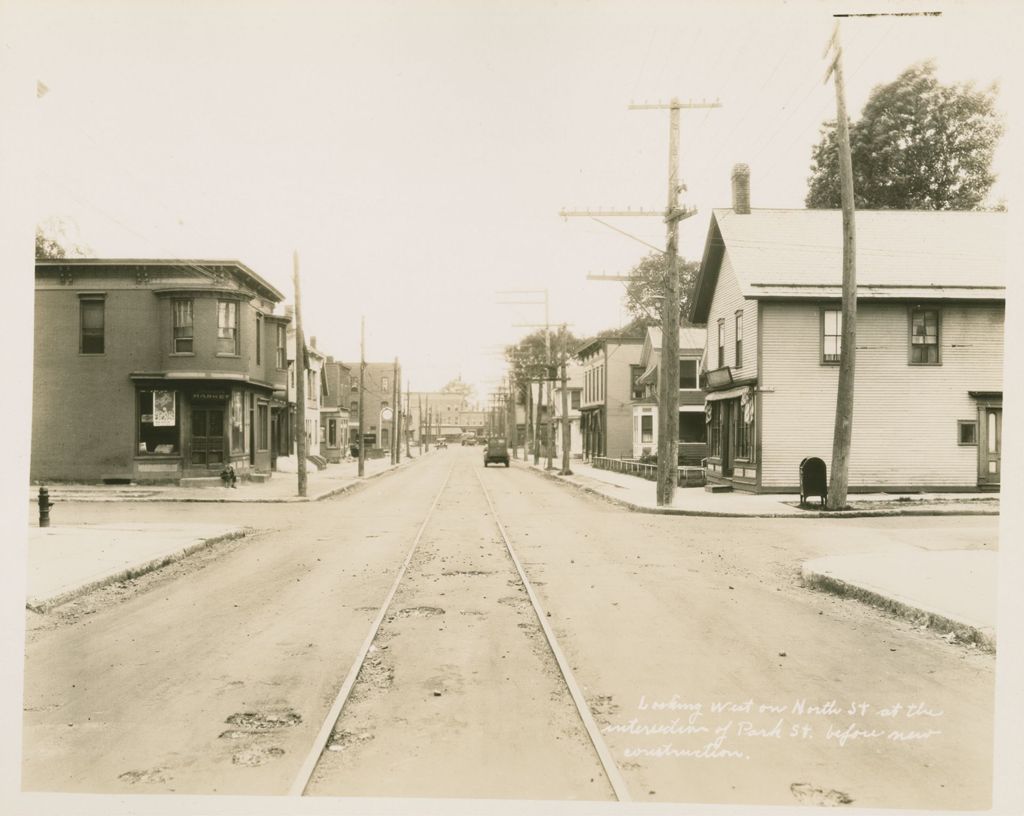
(647, 286)
(919, 145)
(527, 356)
(53, 241)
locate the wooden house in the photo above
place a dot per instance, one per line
(692, 428)
(929, 358)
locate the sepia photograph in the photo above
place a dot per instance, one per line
(513, 406)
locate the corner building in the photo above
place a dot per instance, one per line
(155, 370)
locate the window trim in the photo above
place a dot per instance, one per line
(696, 365)
(259, 338)
(960, 423)
(721, 343)
(234, 306)
(938, 335)
(281, 348)
(821, 335)
(738, 338)
(192, 337)
(92, 298)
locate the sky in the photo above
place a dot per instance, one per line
(416, 155)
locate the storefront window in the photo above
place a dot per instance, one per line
(158, 428)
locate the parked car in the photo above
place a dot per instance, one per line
(469, 438)
(496, 451)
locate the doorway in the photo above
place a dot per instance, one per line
(990, 444)
(207, 440)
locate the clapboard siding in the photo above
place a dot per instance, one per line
(725, 302)
(905, 417)
(618, 397)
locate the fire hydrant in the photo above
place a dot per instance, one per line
(44, 507)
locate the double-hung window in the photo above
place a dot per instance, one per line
(924, 336)
(721, 343)
(688, 374)
(182, 320)
(282, 348)
(646, 428)
(227, 327)
(92, 321)
(739, 339)
(831, 335)
(259, 339)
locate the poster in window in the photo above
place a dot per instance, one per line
(163, 409)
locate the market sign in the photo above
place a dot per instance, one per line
(163, 409)
(718, 377)
(210, 396)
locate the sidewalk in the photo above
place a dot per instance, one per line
(68, 561)
(639, 494)
(953, 591)
(281, 487)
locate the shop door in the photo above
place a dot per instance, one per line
(990, 444)
(208, 437)
(726, 431)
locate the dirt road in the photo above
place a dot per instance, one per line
(713, 675)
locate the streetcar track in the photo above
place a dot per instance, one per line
(611, 769)
(307, 768)
(330, 723)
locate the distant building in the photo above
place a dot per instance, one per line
(156, 370)
(606, 411)
(645, 391)
(379, 421)
(574, 399)
(334, 410)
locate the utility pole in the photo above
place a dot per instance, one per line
(419, 419)
(566, 431)
(362, 393)
(547, 363)
(513, 426)
(426, 439)
(668, 378)
(300, 379)
(408, 420)
(394, 413)
(843, 433)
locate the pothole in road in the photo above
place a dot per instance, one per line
(341, 740)
(256, 756)
(375, 672)
(419, 612)
(258, 722)
(468, 572)
(807, 794)
(152, 776)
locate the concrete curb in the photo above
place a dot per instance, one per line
(676, 511)
(44, 605)
(983, 637)
(227, 499)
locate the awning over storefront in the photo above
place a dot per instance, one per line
(728, 393)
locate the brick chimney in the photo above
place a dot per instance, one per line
(312, 341)
(741, 189)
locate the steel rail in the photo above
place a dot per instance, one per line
(305, 774)
(611, 769)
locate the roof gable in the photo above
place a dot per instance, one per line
(798, 253)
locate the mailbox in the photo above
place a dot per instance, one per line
(812, 479)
